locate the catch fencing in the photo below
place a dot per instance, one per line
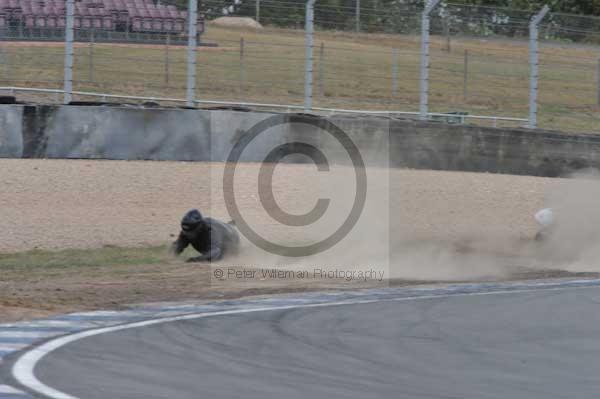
(439, 61)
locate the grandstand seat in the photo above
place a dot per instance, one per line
(40, 21)
(139, 15)
(136, 24)
(107, 22)
(134, 12)
(157, 22)
(51, 21)
(96, 18)
(120, 5)
(178, 25)
(29, 21)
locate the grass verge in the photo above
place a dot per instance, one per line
(351, 71)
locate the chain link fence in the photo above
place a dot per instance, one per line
(477, 65)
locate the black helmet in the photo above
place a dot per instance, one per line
(191, 220)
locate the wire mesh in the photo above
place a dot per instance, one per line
(366, 58)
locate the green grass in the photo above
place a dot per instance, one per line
(79, 258)
(354, 72)
(87, 258)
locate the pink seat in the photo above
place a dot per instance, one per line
(51, 21)
(137, 24)
(178, 26)
(29, 21)
(40, 21)
(107, 23)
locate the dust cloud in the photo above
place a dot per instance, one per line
(416, 225)
(572, 242)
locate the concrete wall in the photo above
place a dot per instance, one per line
(11, 132)
(120, 132)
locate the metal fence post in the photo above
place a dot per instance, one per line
(466, 76)
(394, 72)
(68, 67)
(446, 27)
(424, 67)
(308, 56)
(322, 69)
(357, 27)
(91, 58)
(167, 58)
(533, 65)
(242, 77)
(598, 80)
(257, 12)
(191, 52)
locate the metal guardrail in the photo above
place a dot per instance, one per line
(288, 107)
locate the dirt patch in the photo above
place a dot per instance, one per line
(445, 226)
(58, 204)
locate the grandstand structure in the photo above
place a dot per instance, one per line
(46, 19)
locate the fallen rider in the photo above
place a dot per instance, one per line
(211, 237)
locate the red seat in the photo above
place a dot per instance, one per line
(168, 25)
(178, 26)
(29, 21)
(137, 24)
(107, 23)
(51, 21)
(40, 21)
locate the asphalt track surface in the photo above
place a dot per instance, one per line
(539, 344)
